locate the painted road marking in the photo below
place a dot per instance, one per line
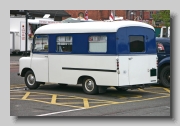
(25, 96)
(152, 92)
(86, 103)
(53, 101)
(60, 112)
(167, 90)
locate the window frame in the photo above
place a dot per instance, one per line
(143, 41)
(150, 14)
(96, 36)
(65, 43)
(34, 43)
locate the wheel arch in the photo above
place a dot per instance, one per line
(23, 72)
(161, 67)
(81, 78)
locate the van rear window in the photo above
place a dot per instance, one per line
(137, 43)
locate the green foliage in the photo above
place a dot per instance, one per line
(164, 16)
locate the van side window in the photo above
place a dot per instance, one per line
(137, 43)
(98, 43)
(64, 44)
(160, 48)
(40, 43)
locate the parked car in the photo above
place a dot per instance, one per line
(163, 52)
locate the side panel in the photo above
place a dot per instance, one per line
(68, 68)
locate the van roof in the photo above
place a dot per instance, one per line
(89, 27)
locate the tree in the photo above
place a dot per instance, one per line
(164, 17)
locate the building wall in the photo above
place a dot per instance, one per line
(104, 14)
(96, 14)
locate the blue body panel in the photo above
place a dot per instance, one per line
(123, 40)
(164, 61)
(117, 43)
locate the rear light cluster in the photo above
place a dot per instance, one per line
(157, 61)
(117, 63)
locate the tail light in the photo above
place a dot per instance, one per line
(157, 61)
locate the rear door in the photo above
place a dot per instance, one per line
(137, 51)
(142, 58)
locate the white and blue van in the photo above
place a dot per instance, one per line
(97, 55)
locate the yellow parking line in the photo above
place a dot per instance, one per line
(53, 100)
(86, 103)
(167, 90)
(26, 95)
(151, 92)
(129, 101)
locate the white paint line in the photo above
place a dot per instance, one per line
(60, 112)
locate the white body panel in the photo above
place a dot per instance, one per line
(136, 69)
(39, 64)
(24, 62)
(139, 68)
(89, 27)
(59, 75)
(124, 70)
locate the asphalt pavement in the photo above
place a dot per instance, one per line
(14, 60)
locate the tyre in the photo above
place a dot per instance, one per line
(121, 89)
(165, 76)
(30, 80)
(89, 86)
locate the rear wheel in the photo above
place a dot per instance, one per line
(89, 86)
(165, 76)
(30, 80)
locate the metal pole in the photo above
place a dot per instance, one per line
(26, 32)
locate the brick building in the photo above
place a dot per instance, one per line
(145, 15)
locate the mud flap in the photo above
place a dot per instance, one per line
(102, 89)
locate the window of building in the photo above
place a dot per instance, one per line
(137, 43)
(40, 43)
(150, 14)
(141, 14)
(64, 44)
(98, 43)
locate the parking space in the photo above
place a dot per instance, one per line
(19, 92)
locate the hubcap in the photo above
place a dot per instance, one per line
(89, 85)
(31, 79)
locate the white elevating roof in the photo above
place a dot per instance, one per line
(89, 27)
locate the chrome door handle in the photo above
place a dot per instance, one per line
(46, 56)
